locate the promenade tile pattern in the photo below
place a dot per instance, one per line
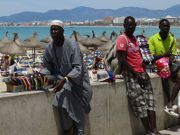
(172, 131)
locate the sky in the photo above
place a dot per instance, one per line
(9, 7)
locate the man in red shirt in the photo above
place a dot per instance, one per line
(139, 88)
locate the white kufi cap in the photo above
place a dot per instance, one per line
(57, 22)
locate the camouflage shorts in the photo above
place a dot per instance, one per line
(140, 97)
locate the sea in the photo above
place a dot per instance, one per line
(43, 32)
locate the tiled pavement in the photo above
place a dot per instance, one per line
(171, 131)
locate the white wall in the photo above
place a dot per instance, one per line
(31, 113)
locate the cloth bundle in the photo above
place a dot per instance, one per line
(144, 50)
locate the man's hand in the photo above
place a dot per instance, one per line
(139, 76)
(142, 79)
(168, 54)
(59, 85)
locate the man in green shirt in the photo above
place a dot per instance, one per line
(163, 44)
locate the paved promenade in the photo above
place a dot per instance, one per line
(171, 131)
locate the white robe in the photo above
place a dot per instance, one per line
(67, 61)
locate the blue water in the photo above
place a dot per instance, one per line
(26, 32)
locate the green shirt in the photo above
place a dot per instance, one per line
(158, 46)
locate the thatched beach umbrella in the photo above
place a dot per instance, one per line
(18, 40)
(5, 40)
(96, 42)
(46, 40)
(111, 43)
(91, 42)
(107, 46)
(11, 48)
(103, 37)
(33, 43)
(88, 42)
(76, 36)
(113, 35)
(82, 47)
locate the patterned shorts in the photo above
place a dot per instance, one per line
(140, 94)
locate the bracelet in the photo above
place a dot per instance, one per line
(66, 79)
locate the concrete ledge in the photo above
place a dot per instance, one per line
(31, 113)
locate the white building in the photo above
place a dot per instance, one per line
(118, 20)
(171, 18)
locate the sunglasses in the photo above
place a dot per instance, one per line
(56, 29)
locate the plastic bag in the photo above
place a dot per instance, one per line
(163, 69)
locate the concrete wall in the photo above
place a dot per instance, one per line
(31, 113)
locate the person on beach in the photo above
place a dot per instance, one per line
(163, 44)
(5, 63)
(139, 88)
(72, 90)
(12, 66)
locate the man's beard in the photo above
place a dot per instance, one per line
(58, 41)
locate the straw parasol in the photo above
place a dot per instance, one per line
(33, 43)
(103, 37)
(11, 48)
(82, 47)
(4, 40)
(91, 42)
(87, 42)
(46, 40)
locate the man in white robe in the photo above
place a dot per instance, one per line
(73, 91)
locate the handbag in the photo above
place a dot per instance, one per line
(163, 69)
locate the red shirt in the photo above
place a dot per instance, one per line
(131, 46)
